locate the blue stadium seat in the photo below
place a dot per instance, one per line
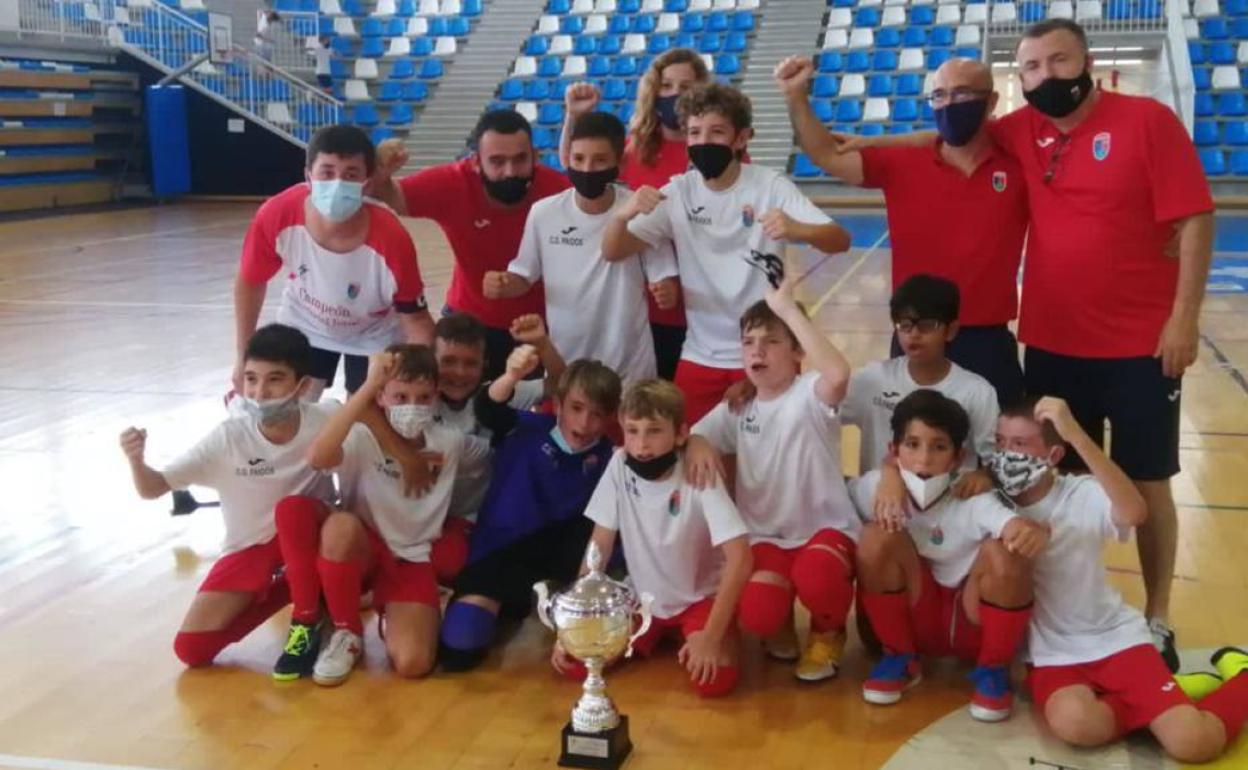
(458, 27)
(1203, 77)
(619, 25)
(558, 7)
(403, 69)
(1197, 52)
(711, 43)
(615, 90)
(353, 7)
(625, 67)
(599, 67)
(1239, 28)
(372, 28)
(545, 138)
(551, 160)
(557, 88)
(805, 168)
(325, 25)
(1204, 106)
(937, 57)
(858, 61)
(392, 91)
(717, 21)
(884, 61)
(658, 44)
(1213, 161)
(584, 45)
(1235, 132)
(643, 24)
(735, 42)
(743, 21)
(510, 90)
(364, 115)
(471, 8)
(867, 17)
(906, 109)
(693, 22)
(610, 45)
(422, 46)
(942, 36)
(927, 114)
(1205, 133)
(849, 111)
(914, 37)
(1232, 105)
(909, 85)
(727, 64)
(415, 91)
(628, 6)
(380, 134)
(572, 25)
(342, 46)
(1214, 29)
(373, 48)
(401, 115)
(625, 112)
(900, 128)
(396, 27)
(550, 67)
(825, 86)
(1150, 9)
(830, 61)
(880, 85)
(437, 27)
(823, 109)
(1222, 53)
(431, 69)
(685, 40)
(922, 16)
(872, 129)
(537, 45)
(888, 38)
(967, 52)
(676, 6)
(1235, 7)
(338, 68)
(550, 114)
(537, 90)
(407, 8)
(1239, 163)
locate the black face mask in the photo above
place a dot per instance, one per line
(651, 469)
(1058, 97)
(711, 159)
(592, 184)
(958, 122)
(665, 108)
(508, 190)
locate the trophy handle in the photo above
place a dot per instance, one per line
(643, 609)
(543, 604)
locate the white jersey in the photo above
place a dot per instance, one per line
(595, 309)
(251, 474)
(372, 488)
(948, 534)
(875, 389)
(472, 480)
(722, 253)
(669, 530)
(789, 479)
(1078, 616)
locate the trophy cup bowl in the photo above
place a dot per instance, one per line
(593, 621)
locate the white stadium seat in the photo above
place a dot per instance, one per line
(1191, 29)
(366, 69)
(862, 38)
(605, 6)
(357, 91)
(748, 5)
(528, 110)
(869, 3)
(839, 18)
(581, 7)
(450, 8)
(417, 26)
(1061, 9)
(446, 46)
(574, 67)
(344, 27)
(1203, 9)
(1242, 53)
(560, 45)
(911, 60)
(548, 25)
(836, 40)
(699, 6)
(948, 15)
(1225, 79)
(876, 110)
(525, 66)
(277, 113)
(331, 8)
(596, 24)
(399, 46)
(634, 43)
(652, 6)
(893, 16)
(976, 13)
(1004, 12)
(853, 85)
(725, 5)
(967, 35)
(385, 8)
(668, 22)
(428, 8)
(1088, 10)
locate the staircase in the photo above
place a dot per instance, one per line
(470, 84)
(784, 22)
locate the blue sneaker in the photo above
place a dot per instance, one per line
(893, 675)
(993, 701)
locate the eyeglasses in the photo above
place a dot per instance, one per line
(920, 325)
(1055, 159)
(940, 97)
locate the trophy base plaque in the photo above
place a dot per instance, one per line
(606, 750)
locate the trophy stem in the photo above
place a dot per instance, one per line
(594, 712)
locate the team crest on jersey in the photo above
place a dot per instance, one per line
(747, 215)
(749, 424)
(999, 181)
(353, 290)
(256, 466)
(566, 238)
(938, 535)
(673, 503)
(1100, 146)
(695, 216)
(887, 399)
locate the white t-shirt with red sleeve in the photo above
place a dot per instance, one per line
(1097, 281)
(345, 302)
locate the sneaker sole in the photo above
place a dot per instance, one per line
(327, 681)
(287, 677)
(795, 657)
(888, 697)
(817, 676)
(981, 714)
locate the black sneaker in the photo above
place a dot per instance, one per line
(1163, 640)
(299, 655)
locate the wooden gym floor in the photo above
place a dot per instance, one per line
(119, 318)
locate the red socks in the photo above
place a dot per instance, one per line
(889, 614)
(340, 580)
(764, 608)
(1003, 631)
(299, 535)
(824, 586)
(200, 648)
(1230, 704)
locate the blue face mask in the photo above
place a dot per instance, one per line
(556, 436)
(959, 122)
(336, 199)
(665, 109)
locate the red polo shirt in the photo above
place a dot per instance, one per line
(483, 234)
(673, 159)
(1097, 281)
(942, 222)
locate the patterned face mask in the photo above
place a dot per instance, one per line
(1016, 472)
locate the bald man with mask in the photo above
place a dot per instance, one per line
(957, 208)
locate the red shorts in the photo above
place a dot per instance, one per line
(703, 386)
(941, 627)
(1135, 683)
(250, 570)
(398, 580)
(769, 557)
(693, 618)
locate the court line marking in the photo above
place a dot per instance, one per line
(50, 763)
(1225, 363)
(105, 303)
(835, 287)
(123, 238)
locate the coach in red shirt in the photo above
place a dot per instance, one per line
(481, 203)
(957, 208)
(1117, 259)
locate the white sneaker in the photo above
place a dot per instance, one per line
(337, 658)
(783, 646)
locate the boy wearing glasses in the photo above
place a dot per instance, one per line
(957, 208)
(924, 310)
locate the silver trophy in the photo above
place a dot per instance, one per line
(593, 621)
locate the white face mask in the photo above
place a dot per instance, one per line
(926, 492)
(268, 412)
(1016, 472)
(409, 420)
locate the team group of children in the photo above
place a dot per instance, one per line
(725, 495)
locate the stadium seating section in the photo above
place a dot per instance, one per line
(1217, 32)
